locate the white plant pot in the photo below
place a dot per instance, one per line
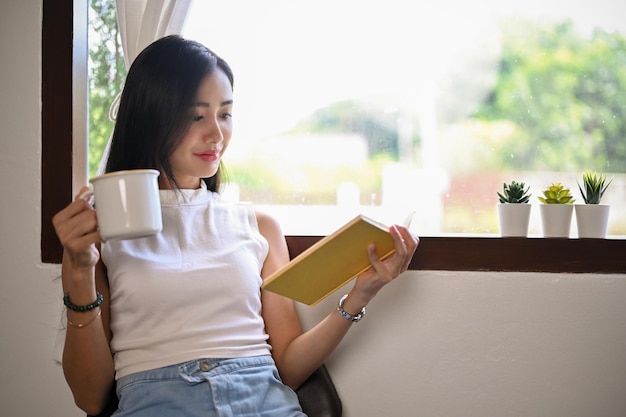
(556, 219)
(592, 220)
(513, 219)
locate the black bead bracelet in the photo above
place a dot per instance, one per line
(82, 309)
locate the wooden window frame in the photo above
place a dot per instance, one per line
(56, 120)
(434, 253)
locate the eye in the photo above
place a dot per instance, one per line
(197, 118)
(226, 116)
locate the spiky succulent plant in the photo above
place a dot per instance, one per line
(556, 194)
(594, 187)
(515, 192)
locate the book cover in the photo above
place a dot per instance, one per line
(331, 262)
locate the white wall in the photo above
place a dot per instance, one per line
(486, 345)
(433, 343)
(32, 383)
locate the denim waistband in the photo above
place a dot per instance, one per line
(239, 387)
(196, 371)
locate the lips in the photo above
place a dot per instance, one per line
(208, 156)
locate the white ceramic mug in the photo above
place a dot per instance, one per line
(127, 203)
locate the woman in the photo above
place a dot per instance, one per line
(179, 319)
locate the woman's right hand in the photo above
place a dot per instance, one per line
(76, 228)
(87, 361)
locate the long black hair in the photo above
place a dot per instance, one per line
(156, 105)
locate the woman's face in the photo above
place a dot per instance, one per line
(199, 153)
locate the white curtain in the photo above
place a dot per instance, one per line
(141, 22)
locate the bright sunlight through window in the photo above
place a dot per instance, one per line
(389, 108)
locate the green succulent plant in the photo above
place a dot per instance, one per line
(594, 187)
(515, 192)
(556, 194)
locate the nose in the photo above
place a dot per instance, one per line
(213, 132)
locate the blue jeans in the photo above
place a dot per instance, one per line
(208, 387)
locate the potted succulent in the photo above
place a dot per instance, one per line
(514, 210)
(556, 210)
(592, 217)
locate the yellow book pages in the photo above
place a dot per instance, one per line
(331, 262)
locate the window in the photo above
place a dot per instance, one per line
(388, 108)
(449, 253)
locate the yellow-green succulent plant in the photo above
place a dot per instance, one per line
(556, 194)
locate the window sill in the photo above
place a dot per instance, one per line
(507, 254)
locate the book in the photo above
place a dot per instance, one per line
(331, 262)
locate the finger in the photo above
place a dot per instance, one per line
(81, 192)
(80, 224)
(403, 249)
(410, 242)
(398, 240)
(86, 194)
(72, 209)
(69, 212)
(83, 243)
(403, 252)
(381, 267)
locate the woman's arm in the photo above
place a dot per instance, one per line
(298, 354)
(87, 359)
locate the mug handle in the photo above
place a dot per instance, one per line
(88, 197)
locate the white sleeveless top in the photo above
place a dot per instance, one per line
(190, 292)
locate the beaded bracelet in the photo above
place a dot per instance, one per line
(82, 309)
(348, 316)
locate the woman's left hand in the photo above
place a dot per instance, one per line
(384, 271)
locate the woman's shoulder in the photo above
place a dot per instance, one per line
(268, 225)
(266, 219)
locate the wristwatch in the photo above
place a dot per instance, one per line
(348, 316)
